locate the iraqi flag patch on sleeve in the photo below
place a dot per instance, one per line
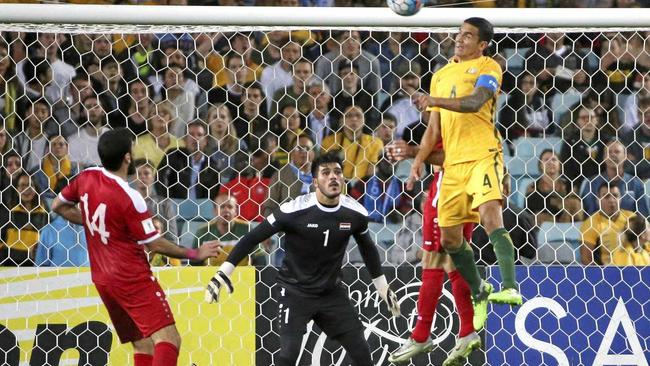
(345, 226)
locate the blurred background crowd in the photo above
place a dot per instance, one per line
(226, 124)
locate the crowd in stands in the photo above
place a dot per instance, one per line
(226, 125)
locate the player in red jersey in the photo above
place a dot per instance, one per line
(117, 226)
(435, 262)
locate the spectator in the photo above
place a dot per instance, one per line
(173, 57)
(62, 244)
(638, 143)
(27, 217)
(526, 112)
(250, 188)
(584, 148)
(350, 49)
(224, 148)
(320, 122)
(78, 90)
(280, 74)
(32, 143)
(38, 80)
(636, 244)
(157, 259)
(359, 151)
(290, 127)
(158, 206)
(56, 169)
(153, 145)
(521, 226)
(231, 94)
(386, 133)
(228, 229)
(353, 93)
(181, 100)
(572, 209)
(83, 144)
(396, 49)
(251, 123)
(240, 43)
(556, 65)
(142, 53)
(111, 88)
(188, 172)
(545, 196)
(10, 170)
(631, 188)
(5, 141)
(296, 94)
(11, 102)
(138, 109)
(601, 231)
(293, 179)
(400, 104)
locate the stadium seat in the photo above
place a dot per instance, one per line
(515, 166)
(199, 209)
(515, 59)
(564, 102)
(188, 231)
(559, 243)
(519, 187)
(528, 149)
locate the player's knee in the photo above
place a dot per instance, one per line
(491, 216)
(143, 346)
(451, 244)
(431, 259)
(168, 334)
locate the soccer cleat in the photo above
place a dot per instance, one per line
(509, 296)
(462, 350)
(410, 349)
(480, 306)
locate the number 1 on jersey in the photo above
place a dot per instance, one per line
(98, 223)
(327, 236)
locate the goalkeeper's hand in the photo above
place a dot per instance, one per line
(219, 280)
(387, 295)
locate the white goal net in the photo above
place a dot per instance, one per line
(222, 116)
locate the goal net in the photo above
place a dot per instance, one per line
(224, 117)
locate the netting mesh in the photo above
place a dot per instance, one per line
(227, 122)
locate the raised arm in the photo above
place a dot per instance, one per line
(468, 104)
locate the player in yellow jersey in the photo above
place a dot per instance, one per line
(462, 104)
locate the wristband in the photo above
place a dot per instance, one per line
(380, 283)
(192, 254)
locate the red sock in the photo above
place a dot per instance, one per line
(142, 359)
(430, 291)
(165, 354)
(462, 297)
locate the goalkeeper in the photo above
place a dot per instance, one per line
(317, 228)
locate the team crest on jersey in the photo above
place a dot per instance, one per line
(472, 70)
(345, 226)
(148, 226)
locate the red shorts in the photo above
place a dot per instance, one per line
(430, 228)
(137, 310)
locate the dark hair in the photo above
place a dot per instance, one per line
(485, 29)
(609, 185)
(635, 229)
(197, 122)
(143, 162)
(323, 159)
(112, 147)
(256, 85)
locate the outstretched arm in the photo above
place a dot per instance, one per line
(468, 104)
(243, 248)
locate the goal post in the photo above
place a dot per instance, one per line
(156, 69)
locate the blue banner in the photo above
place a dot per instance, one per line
(573, 316)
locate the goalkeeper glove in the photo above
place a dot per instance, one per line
(386, 294)
(219, 280)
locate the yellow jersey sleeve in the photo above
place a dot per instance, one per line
(432, 92)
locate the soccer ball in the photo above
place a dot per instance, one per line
(405, 7)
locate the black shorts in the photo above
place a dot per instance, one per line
(332, 312)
